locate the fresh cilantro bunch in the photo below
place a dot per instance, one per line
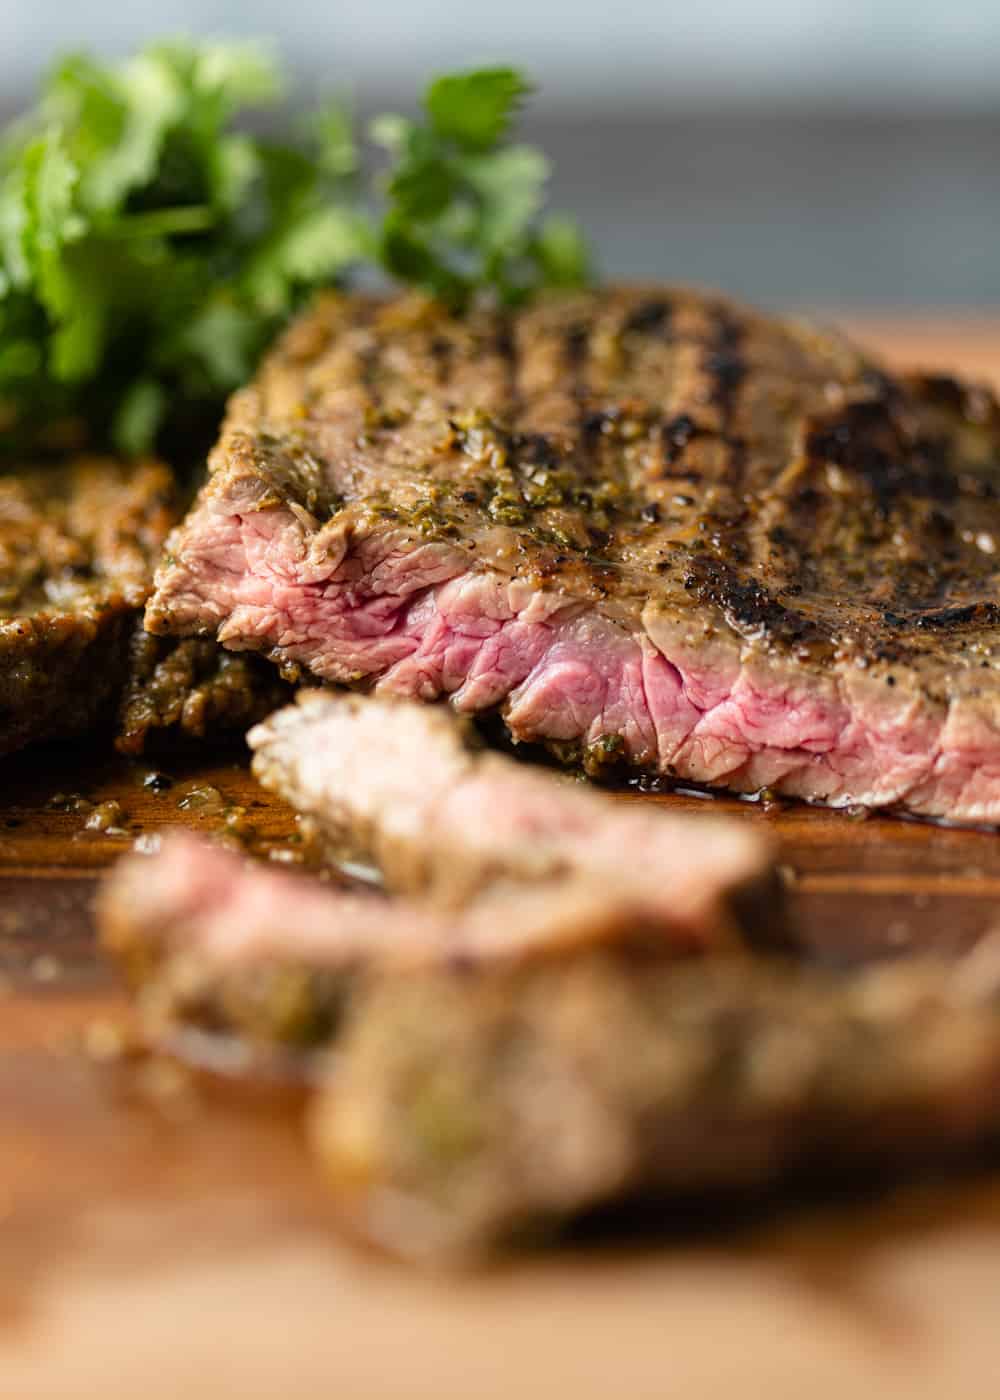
(463, 204)
(147, 252)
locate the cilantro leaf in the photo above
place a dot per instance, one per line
(475, 109)
(462, 205)
(308, 240)
(331, 130)
(139, 415)
(560, 251)
(510, 189)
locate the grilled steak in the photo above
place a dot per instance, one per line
(647, 526)
(192, 688)
(460, 1109)
(219, 942)
(397, 781)
(77, 545)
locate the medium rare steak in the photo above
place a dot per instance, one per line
(463, 1108)
(191, 688)
(399, 783)
(77, 545)
(216, 941)
(647, 526)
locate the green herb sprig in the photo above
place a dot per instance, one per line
(150, 249)
(463, 204)
(147, 251)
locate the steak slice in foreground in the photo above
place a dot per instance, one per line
(398, 782)
(211, 940)
(192, 688)
(462, 1109)
(647, 526)
(214, 941)
(480, 1085)
(77, 547)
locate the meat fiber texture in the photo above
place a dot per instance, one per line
(646, 526)
(77, 546)
(399, 782)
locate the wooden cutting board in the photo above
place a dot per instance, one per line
(161, 1237)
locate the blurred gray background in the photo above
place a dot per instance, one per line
(807, 152)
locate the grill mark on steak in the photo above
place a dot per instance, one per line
(746, 603)
(867, 439)
(727, 370)
(725, 365)
(504, 344)
(576, 346)
(675, 436)
(949, 618)
(503, 547)
(577, 359)
(650, 317)
(442, 352)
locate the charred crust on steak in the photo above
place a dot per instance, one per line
(77, 548)
(191, 688)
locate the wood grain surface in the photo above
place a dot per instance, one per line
(161, 1236)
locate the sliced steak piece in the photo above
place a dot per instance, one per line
(485, 1080)
(192, 688)
(399, 783)
(461, 1109)
(220, 942)
(645, 525)
(215, 941)
(77, 545)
